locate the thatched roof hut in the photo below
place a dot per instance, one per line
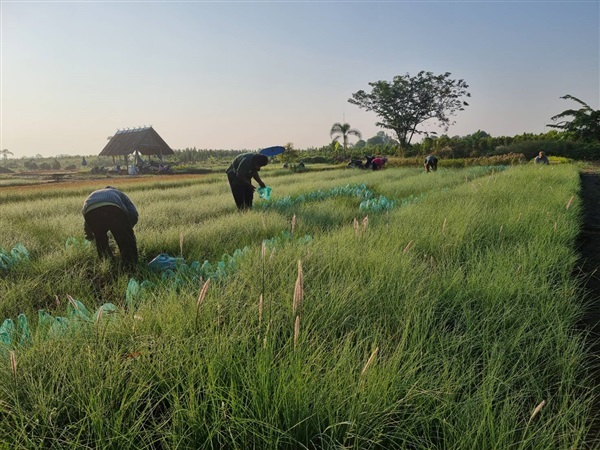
(144, 140)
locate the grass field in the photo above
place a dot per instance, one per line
(446, 321)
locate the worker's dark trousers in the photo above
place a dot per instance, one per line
(103, 219)
(242, 194)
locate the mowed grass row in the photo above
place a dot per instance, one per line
(441, 324)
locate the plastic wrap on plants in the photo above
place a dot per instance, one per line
(264, 192)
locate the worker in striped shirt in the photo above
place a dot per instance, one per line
(111, 210)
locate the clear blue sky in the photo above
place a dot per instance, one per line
(247, 75)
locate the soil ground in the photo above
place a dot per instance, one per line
(93, 181)
(588, 270)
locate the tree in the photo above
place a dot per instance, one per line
(408, 102)
(5, 152)
(290, 154)
(30, 165)
(585, 124)
(343, 130)
(381, 138)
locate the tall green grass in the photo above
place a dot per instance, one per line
(441, 324)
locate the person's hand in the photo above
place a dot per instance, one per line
(253, 187)
(89, 237)
(263, 185)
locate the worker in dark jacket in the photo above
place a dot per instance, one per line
(240, 173)
(111, 210)
(431, 163)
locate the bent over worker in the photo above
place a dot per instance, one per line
(240, 173)
(111, 210)
(431, 163)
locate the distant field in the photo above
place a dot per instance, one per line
(356, 309)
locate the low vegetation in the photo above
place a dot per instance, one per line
(447, 321)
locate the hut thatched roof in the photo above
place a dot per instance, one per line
(144, 140)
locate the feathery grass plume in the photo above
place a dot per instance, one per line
(72, 302)
(296, 331)
(272, 254)
(201, 300)
(181, 244)
(263, 221)
(365, 223)
(570, 201)
(370, 361)
(260, 309)
(356, 228)
(555, 226)
(500, 232)
(266, 334)
(444, 226)
(13, 363)
(100, 312)
(293, 223)
(203, 293)
(263, 250)
(298, 289)
(98, 318)
(407, 247)
(57, 301)
(519, 218)
(537, 409)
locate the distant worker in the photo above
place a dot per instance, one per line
(431, 163)
(378, 163)
(541, 158)
(111, 210)
(240, 173)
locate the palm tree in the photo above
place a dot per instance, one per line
(585, 123)
(5, 152)
(343, 130)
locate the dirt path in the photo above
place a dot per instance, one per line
(589, 270)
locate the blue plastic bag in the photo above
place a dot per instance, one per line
(164, 262)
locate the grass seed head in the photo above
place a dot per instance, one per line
(537, 409)
(203, 293)
(298, 289)
(570, 201)
(100, 312)
(370, 360)
(13, 363)
(296, 331)
(72, 302)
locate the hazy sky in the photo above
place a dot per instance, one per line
(252, 74)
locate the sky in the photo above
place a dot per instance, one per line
(253, 74)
